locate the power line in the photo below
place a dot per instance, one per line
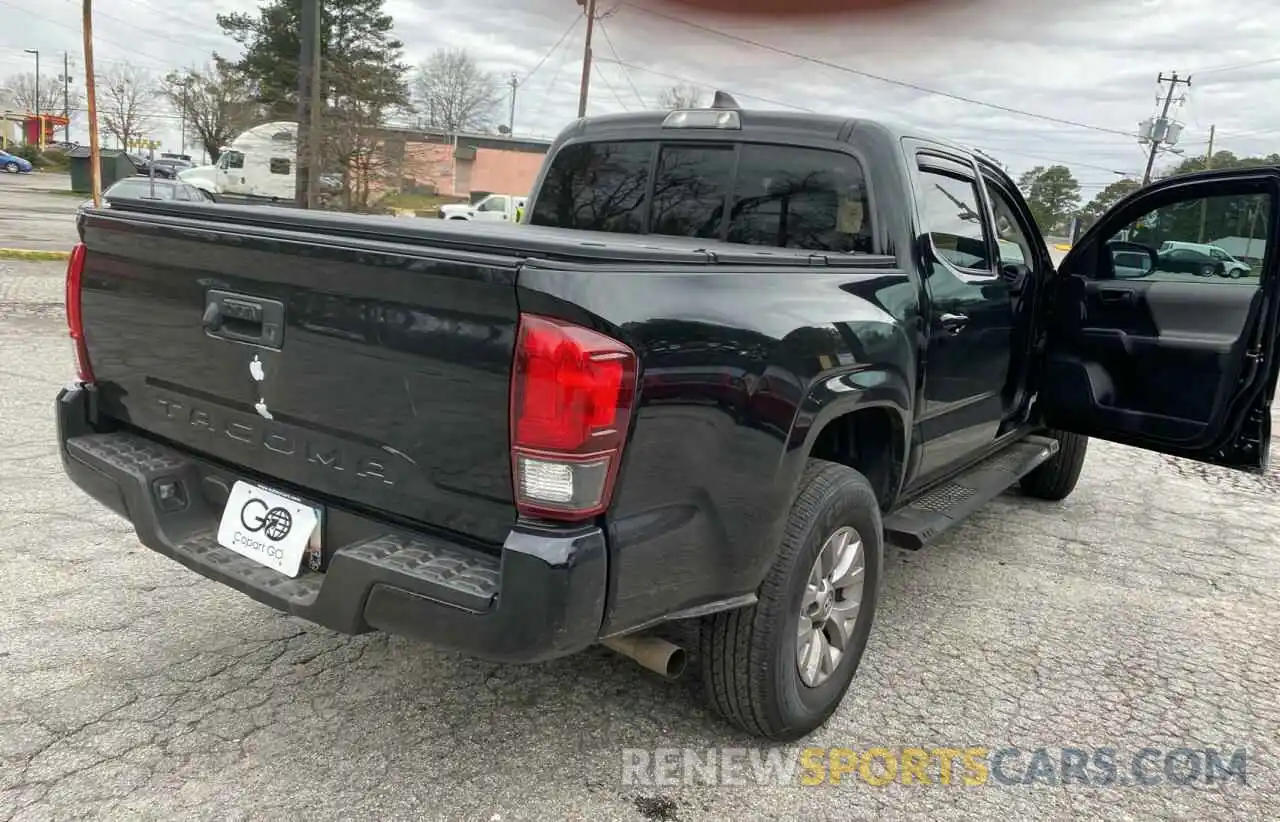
(97, 37)
(1234, 66)
(878, 77)
(711, 86)
(1055, 161)
(784, 104)
(551, 51)
(600, 73)
(186, 23)
(551, 87)
(612, 50)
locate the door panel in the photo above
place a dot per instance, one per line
(970, 319)
(1158, 357)
(1145, 350)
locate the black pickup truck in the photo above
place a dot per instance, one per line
(727, 356)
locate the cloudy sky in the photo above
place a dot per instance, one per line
(1044, 82)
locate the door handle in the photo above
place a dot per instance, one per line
(953, 323)
(1116, 295)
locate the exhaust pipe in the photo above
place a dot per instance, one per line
(662, 657)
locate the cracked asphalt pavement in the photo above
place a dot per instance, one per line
(1139, 613)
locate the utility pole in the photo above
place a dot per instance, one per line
(91, 95)
(186, 108)
(1160, 128)
(306, 166)
(66, 95)
(586, 57)
(39, 122)
(511, 121)
(1204, 202)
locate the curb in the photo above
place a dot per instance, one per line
(25, 254)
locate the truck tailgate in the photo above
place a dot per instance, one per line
(372, 371)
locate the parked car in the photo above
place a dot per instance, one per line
(14, 164)
(727, 358)
(1190, 261)
(141, 188)
(171, 165)
(1232, 267)
(144, 166)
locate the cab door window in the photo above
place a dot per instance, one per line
(951, 210)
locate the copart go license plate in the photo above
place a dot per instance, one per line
(269, 527)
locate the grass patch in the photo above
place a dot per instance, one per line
(24, 254)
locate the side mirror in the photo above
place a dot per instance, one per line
(1131, 260)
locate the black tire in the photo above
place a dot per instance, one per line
(1056, 479)
(1207, 271)
(748, 656)
(12, 168)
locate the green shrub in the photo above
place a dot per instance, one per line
(32, 154)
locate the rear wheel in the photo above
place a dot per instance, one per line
(778, 669)
(1056, 479)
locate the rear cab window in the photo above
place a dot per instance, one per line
(739, 192)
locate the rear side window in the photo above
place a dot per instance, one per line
(596, 187)
(800, 198)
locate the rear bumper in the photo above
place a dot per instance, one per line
(543, 597)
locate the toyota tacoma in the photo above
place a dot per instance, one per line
(725, 359)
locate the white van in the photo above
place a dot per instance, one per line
(1231, 267)
(258, 163)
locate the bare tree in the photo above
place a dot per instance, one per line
(125, 94)
(21, 90)
(453, 94)
(215, 105)
(680, 96)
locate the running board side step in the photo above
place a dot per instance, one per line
(927, 516)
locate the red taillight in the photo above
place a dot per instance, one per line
(572, 390)
(75, 321)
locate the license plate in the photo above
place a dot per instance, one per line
(269, 527)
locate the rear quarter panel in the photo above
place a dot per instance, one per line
(739, 369)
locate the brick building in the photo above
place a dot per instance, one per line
(462, 166)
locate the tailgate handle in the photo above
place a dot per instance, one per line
(243, 318)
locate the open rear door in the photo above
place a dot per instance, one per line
(1146, 348)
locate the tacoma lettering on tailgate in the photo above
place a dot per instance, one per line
(337, 457)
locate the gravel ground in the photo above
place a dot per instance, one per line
(1139, 613)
